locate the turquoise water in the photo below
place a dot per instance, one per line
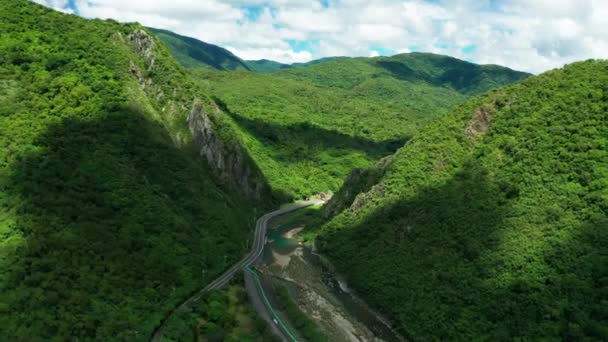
(280, 244)
(354, 307)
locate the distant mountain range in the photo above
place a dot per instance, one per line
(360, 109)
(193, 53)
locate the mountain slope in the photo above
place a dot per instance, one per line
(108, 214)
(265, 66)
(422, 68)
(308, 127)
(193, 53)
(492, 223)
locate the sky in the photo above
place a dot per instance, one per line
(527, 35)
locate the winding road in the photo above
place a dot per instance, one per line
(255, 253)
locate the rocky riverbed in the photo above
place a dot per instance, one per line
(320, 293)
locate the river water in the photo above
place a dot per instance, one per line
(284, 247)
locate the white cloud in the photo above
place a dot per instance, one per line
(526, 35)
(272, 54)
(58, 5)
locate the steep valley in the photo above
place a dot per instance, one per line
(461, 201)
(308, 127)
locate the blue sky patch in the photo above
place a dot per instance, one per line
(382, 51)
(469, 49)
(303, 45)
(441, 45)
(252, 13)
(72, 5)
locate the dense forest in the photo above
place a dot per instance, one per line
(477, 208)
(492, 222)
(308, 127)
(192, 53)
(108, 216)
(221, 315)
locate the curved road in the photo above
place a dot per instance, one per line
(256, 251)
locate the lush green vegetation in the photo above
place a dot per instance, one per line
(192, 53)
(107, 214)
(492, 223)
(305, 325)
(265, 66)
(307, 128)
(224, 315)
(307, 125)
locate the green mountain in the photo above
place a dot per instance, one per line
(266, 66)
(492, 222)
(308, 127)
(122, 187)
(477, 209)
(193, 53)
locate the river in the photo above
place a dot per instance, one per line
(319, 292)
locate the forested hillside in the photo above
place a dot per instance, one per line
(192, 53)
(492, 222)
(265, 66)
(108, 216)
(308, 127)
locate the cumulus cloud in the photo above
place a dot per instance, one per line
(527, 35)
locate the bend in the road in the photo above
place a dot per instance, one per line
(250, 259)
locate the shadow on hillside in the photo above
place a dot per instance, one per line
(401, 71)
(457, 75)
(417, 260)
(305, 141)
(437, 265)
(464, 77)
(117, 224)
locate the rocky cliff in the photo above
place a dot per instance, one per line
(229, 160)
(226, 158)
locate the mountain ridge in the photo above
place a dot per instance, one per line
(192, 53)
(111, 211)
(479, 225)
(320, 121)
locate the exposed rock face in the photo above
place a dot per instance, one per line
(359, 188)
(143, 45)
(480, 122)
(229, 161)
(137, 73)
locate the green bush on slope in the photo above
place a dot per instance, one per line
(492, 222)
(104, 223)
(224, 315)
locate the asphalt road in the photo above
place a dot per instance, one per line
(256, 251)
